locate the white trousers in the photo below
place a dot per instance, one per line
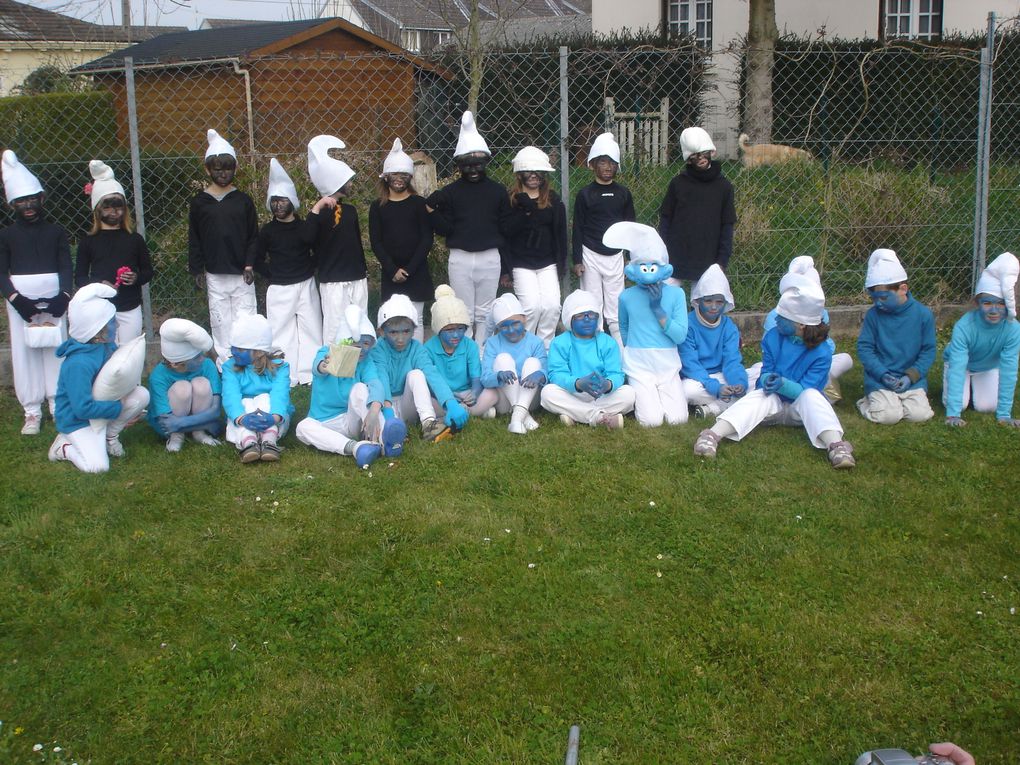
(474, 277)
(980, 390)
(415, 403)
(539, 293)
(516, 394)
(603, 278)
(295, 315)
(35, 369)
(419, 327)
(811, 409)
(336, 296)
(238, 435)
(581, 407)
(698, 395)
(658, 401)
(887, 407)
(335, 434)
(841, 364)
(129, 325)
(229, 299)
(85, 448)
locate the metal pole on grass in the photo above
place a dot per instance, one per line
(573, 742)
(984, 135)
(565, 149)
(136, 175)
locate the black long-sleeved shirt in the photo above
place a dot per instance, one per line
(472, 216)
(282, 255)
(696, 221)
(401, 237)
(337, 246)
(101, 254)
(221, 233)
(596, 208)
(34, 248)
(537, 238)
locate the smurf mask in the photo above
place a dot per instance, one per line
(646, 272)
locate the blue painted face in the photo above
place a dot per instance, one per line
(111, 329)
(711, 307)
(992, 309)
(451, 335)
(585, 324)
(786, 327)
(884, 300)
(195, 363)
(512, 329)
(366, 343)
(398, 332)
(242, 356)
(646, 272)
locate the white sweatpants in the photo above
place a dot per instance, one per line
(86, 447)
(419, 327)
(229, 299)
(516, 394)
(295, 315)
(887, 407)
(698, 395)
(335, 434)
(811, 409)
(603, 278)
(129, 325)
(539, 293)
(980, 390)
(474, 277)
(336, 296)
(415, 403)
(581, 407)
(841, 364)
(659, 400)
(35, 369)
(238, 435)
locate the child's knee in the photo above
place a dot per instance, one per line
(200, 386)
(530, 365)
(504, 362)
(303, 429)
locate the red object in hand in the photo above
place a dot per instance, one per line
(120, 273)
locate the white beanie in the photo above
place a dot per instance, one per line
(532, 158)
(398, 161)
(577, 302)
(180, 340)
(505, 306)
(398, 306)
(89, 311)
(884, 268)
(802, 301)
(103, 182)
(470, 140)
(353, 324)
(18, 181)
(328, 175)
(802, 265)
(999, 279)
(643, 242)
(713, 282)
(252, 332)
(280, 185)
(448, 309)
(218, 145)
(694, 140)
(605, 145)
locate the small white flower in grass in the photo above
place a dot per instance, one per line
(980, 613)
(258, 499)
(659, 556)
(486, 539)
(531, 565)
(57, 749)
(309, 477)
(369, 473)
(1012, 610)
(162, 645)
(658, 575)
(364, 467)
(233, 646)
(37, 748)
(799, 517)
(392, 464)
(507, 530)
(651, 504)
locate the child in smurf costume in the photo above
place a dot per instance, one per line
(653, 323)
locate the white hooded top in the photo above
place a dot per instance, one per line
(448, 309)
(884, 268)
(328, 175)
(694, 140)
(398, 161)
(103, 182)
(470, 140)
(398, 306)
(643, 242)
(802, 265)
(605, 145)
(999, 279)
(506, 306)
(280, 185)
(577, 302)
(713, 282)
(252, 331)
(218, 145)
(802, 301)
(353, 324)
(180, 340)
(90, 310)
(18, 181)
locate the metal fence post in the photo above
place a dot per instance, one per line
(136, 175)
(565, 150)
(983, 153)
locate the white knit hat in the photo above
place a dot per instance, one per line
(353, 324)
(802, 301)
(470, 140)
(448, 309)
(398, 306)
(577, 302)
(802, 265)
(605, 145)
(18, 181)
(506, 306)
(103, 182)
(180, 340)
(694, 140)
(280, 185)
(643, 242)
(252, 332)
(884, 268)
(713, 282)
(532, 158)
(398, 161)
(999, 279)
(328, 175)
(90, 310)
(218, 145)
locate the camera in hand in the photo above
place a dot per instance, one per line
(900, 757)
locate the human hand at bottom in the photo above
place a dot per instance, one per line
(948, 749)
(506, 377)
(771, 382)
(534, 380)
(1009, 422)
(955, 422)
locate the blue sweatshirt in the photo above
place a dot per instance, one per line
(709, 350)
(246, 383)
(638, 325)
(770, 322)
(162, 378)
(901, 341)
(458, 368)
(528, 346)
(393, 367)
(330, 395)
(795, 362)
(977, 346)
(74, 403)
(571, 357)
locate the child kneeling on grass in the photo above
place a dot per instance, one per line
(514, 364)
(256, 391)
(184, 389)
(92, 325)
(795, 367)
(896, 346)
(981, 358)
(585, 371)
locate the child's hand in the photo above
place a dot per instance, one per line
(170, 423)
(327, 201)
(466, 397)
(506, 377)
(533, 380)
(578, 269)
(200, 282)
(1009, 422)
(456, 415)
(128, 277)
(771, 382)
(955, 422)
(400, 276)
(506, 281)
(248, 276)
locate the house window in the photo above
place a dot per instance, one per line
(912, 19)
(691, 17)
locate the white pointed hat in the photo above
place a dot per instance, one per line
(999, 279)
(884, 268)
(180, 340)
(713, 282)
(328, 175)
(605, 145)
(398, 306)
(505, 306)
(579, 301)
(252, 331)
(18, 180)
(802, 301)
(694, 140)
(280, 185)
(218, 145)
(398, 161)
(90, 310)
(103, 182)
(802, 265)
(643, 242)
(470, 140)
(353, 324)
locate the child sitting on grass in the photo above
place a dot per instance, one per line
(514, 364)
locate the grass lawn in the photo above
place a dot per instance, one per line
(473, 600)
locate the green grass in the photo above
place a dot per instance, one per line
(188, 609)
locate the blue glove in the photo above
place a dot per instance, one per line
(534, 380)
(586, 385)
(171, 423)
(602, 384)
(456, 414)
(771, 381)
(655, 300)
(896, 383)
(903, 383)
(506, 377)
(250, 421)
(790, 389)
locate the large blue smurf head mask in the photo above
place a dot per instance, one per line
(649, 261)
(646, 272)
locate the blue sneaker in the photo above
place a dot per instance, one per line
(393, 434)
(365, 453)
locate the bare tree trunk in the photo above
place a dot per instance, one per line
(762, 34)
(476, 59)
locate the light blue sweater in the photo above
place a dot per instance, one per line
(330, 394)
(571, 357)
(528, 346)
(977, 346)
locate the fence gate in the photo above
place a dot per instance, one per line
(643, 136)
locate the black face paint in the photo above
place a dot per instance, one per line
(112, 211)
(28, 209)
(282, 207)
(222, 168)
(472, 168)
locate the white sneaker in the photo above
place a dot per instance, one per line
(114, 447)
(530, 422)
(517, 426)
(567, 420)
(33, 423)
(489, 414)
(610, 421)
(56, 452)
(204, 438)
(174, 442)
